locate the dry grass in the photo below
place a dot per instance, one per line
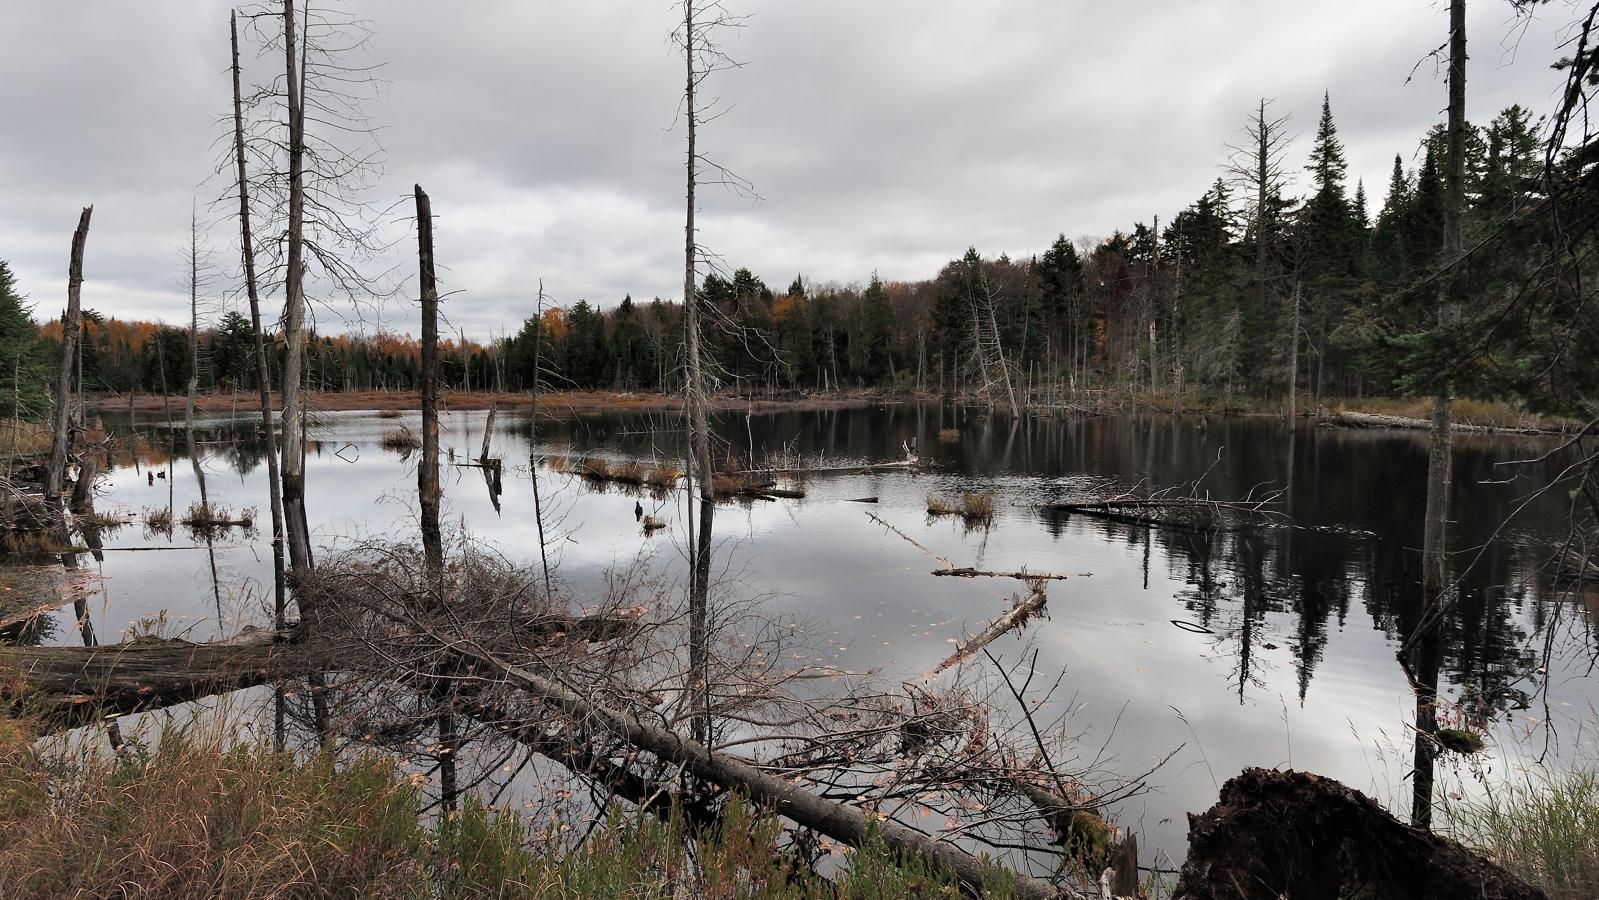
(651, 523)
(949, 435)
(663, 477)
(199, 816)
(629, 473)
(595, 468)
(401, 440)
(558, 463)
(202, 515)
(26, 438)
(390, 413)
(158, 519)
(973, 506)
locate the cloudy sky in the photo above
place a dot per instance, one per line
(886, 135)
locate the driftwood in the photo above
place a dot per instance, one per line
(1022, 610)
(907, 465)
(836, 820)
(1278, 834)
(1373, 420)
(1023, 575)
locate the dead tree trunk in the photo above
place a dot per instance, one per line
(427, 474)
(1293, 358)
(293, 474)
(262, 370)
(1435, 567)
(694, 391)
(61, 441)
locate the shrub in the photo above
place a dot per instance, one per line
(1544, 827)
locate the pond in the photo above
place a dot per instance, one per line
(1271, 646)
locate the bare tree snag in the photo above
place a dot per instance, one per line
(293, 469)
(262, 371)
(427, 473)
(60, 444)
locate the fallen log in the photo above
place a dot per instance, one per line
(1024, 575)
(1022, 610)
(75, 685)
(1278, 834)
(836, 820)
(1374, 420)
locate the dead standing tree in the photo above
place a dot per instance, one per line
(1256, 168)
(262, 370)
(310, 187)
(61, 441)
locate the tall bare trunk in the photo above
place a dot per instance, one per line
(60, 443)
(194, 324)
(694, 391)
(294, 318)
(427, 474)
(1293, 358)
(262, 370)
(1435, 566)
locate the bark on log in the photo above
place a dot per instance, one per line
(1278, 834)
(836, 820)
(1373, 420)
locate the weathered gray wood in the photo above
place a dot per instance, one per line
(1023, 609)
(427, 473)
(60, 443)
(836, 820)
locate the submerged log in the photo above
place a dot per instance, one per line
(1278, 834)
(1020, 612)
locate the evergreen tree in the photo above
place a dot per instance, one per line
(23, 364)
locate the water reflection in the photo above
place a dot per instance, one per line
(1227, 624)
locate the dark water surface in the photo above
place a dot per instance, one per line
(1269, 647)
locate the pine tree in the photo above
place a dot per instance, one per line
(22, 364)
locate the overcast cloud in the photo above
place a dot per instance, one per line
(884, 136)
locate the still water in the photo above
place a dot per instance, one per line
(1264, 647)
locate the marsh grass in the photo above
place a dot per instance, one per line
(158, 519)
(401, 440)
(390, 413)
(199, 813)
(201, 515)
(1544, 827)
(595, 468)
(629, 473)
(663, 477)
(973, 506)
(949, 435)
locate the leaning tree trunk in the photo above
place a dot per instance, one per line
(61, 440)
(262, 371)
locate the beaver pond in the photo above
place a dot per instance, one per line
(1272, 645)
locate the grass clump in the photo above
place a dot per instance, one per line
(629, 473)
(158, 519)
(1459, 740)
(1544, 827)
(652, 523)
(401, 440)
(389, 414)
(663, 477)
(949, 435)
(595, 468)
(974, 506)
(202, 515)
(555, 462)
